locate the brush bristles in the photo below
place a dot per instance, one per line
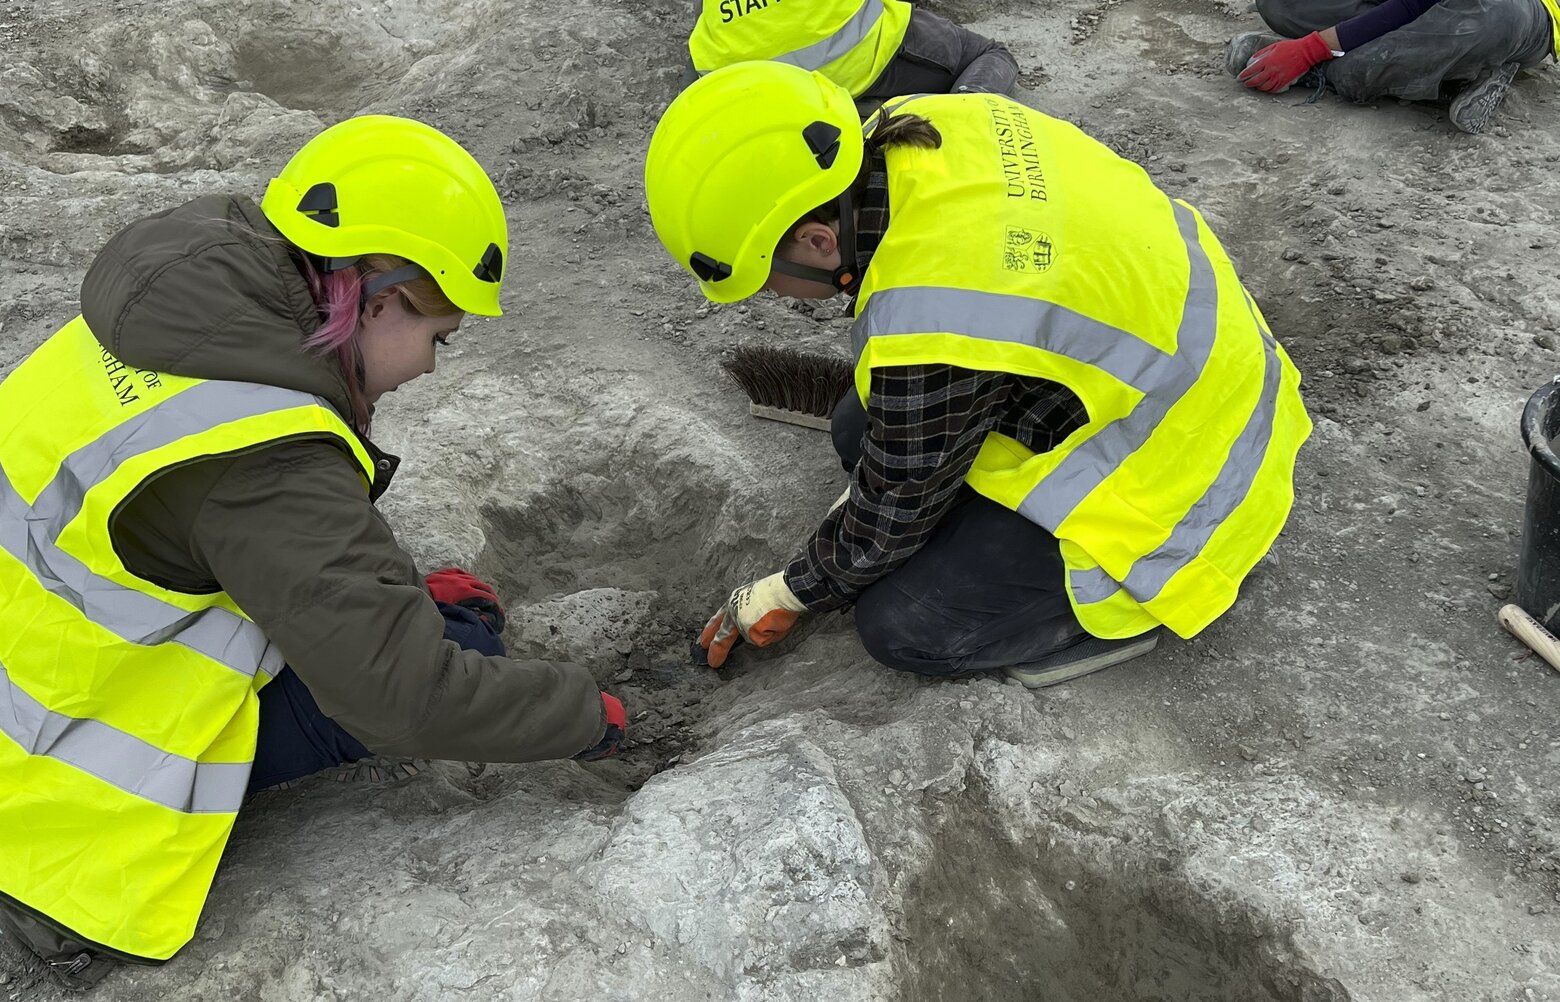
(790, 380)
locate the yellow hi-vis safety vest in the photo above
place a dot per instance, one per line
(850, 41)
(1553, 7)
(128, 712)
(1024, 246)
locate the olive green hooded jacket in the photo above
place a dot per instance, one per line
(210, 289)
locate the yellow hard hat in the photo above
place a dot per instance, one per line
(377, 184)
(738, 157)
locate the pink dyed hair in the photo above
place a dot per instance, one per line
(337, 295)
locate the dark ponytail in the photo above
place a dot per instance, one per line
(904, 130)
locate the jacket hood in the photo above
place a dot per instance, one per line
(209, 290)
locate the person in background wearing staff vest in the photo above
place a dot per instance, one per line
(199, 597)
(1070, 427)
(876, 49)
(1408, 49)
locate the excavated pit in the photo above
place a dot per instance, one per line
(308, 71)
(987, 914)
(635, 527)
(619, 577)
(601, 568)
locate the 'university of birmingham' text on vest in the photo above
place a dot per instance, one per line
(128, 712)
(1024, 246)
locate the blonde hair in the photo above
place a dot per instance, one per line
(338, 296)
(422, 294)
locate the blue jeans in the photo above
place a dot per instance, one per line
(984, 592)
(297, 740)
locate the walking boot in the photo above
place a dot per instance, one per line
(380, 769)
(1475, 106)
(1239, 50)
(374, 769)
(1088, 655)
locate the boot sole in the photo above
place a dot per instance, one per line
(1040, 678)
(1471, 113)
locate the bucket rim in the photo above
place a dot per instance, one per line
(1536, 432)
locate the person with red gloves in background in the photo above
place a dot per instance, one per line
(1408, 49)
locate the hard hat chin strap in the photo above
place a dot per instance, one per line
(846, 276)
(405, 273)
(384, 280)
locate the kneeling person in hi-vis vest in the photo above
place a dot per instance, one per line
(1070, 425)
(876, 49)
(199, 597)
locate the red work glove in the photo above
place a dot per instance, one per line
(1274, 68)
(617, 732)
(453, 586)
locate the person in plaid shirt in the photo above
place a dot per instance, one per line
(944, 581)
(912, 528)
(969, 444)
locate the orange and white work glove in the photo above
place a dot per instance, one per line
(760, 613)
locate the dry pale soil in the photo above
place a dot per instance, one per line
(1343, 790)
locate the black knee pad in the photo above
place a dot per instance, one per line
(886, 629)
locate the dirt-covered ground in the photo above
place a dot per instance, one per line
(1343, 790)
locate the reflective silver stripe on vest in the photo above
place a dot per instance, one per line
(1163, 379)
(1088, 466)
(125, 612)
(888, 109)
(849, 35)
(1152, 571)
(993, 316)
(190, 412)
(29, 534)
(122, 760)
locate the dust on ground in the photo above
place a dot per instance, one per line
(1343, 790)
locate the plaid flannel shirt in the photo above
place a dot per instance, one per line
(925, 425)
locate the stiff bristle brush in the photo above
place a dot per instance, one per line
(791, 386)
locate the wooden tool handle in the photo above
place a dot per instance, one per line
(797, 418)
(1528, 630)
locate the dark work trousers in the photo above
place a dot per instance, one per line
(297, 740)
(940, 57)
(1452, 42)
(984, 592)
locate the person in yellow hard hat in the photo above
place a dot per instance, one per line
(200, 599)
(876, 49)
(1070, 428)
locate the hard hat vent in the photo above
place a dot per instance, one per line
(491, 267)
(824, 141)
(707, 268)
(319, 204)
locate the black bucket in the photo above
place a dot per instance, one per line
(1538, 574)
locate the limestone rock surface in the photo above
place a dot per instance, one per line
(1343, 790)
